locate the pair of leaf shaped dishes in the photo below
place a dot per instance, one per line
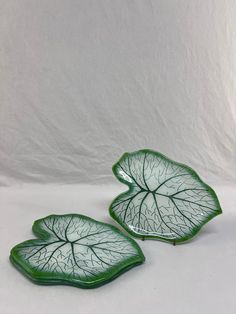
(166, 200)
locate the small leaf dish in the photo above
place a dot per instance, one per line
(166, 200)
(75, 250)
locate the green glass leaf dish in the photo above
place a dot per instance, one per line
(166, 200)
(75, 250)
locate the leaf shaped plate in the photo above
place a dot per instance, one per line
(166, 200)
(75, 250)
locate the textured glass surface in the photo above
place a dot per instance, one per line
(166, 199)
(75, 250)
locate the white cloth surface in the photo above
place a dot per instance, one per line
(198, 277)
(81, 82)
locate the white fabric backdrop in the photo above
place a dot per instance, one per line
(84, 81)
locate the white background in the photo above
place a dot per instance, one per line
(84, 81)
(81, 82)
